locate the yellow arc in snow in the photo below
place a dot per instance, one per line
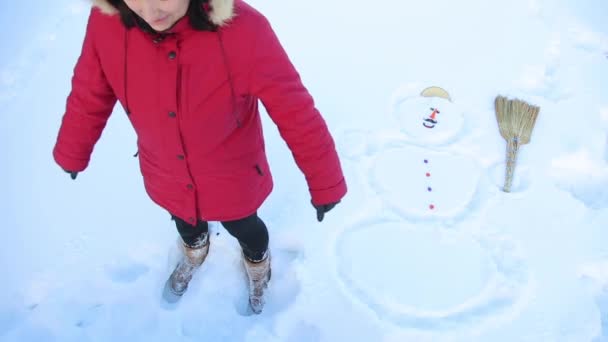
(436, 92)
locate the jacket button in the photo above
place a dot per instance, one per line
(172, 55)
(180, 157)
(190, 186)
(191, 219)
(172, 114)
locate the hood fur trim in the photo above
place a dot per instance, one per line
(222, 11)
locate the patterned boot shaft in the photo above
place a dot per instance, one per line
(259, 275)
(193, 258)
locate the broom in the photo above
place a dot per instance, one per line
(516, 121)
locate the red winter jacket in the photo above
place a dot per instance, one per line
(192, 98)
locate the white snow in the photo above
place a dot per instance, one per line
(87, 260)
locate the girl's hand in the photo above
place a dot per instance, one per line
(73, 174)
(323, 208)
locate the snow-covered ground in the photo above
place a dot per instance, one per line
(425, 247)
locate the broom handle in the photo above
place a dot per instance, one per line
(512, 149)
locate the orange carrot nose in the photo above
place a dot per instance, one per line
(434, 114)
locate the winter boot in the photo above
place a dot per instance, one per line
(259, 274)
(192, 259)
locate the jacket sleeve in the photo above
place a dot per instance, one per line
(88, 107)
(276, 82)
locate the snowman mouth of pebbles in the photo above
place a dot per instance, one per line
(431, 121)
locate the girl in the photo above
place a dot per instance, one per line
(189, 74)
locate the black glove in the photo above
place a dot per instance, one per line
(323, 208)
(73, 174)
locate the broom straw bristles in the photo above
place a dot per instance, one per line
(516, 119)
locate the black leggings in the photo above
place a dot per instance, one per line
(251, 232)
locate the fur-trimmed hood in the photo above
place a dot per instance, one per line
(221, 11)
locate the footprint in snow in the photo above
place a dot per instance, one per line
(127, 273)
(595, 276)
(304, 332)
(584, 178)
(10, 318)
(89, 316)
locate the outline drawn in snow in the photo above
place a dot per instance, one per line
(474, 199)
(431, 97)
(504, 293)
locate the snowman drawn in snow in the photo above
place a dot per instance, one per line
(418, 180)
(421, 176)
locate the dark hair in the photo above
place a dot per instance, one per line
(199, 19)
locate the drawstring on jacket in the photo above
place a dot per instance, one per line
(127, 109)
(125, 60)
(230, 80)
